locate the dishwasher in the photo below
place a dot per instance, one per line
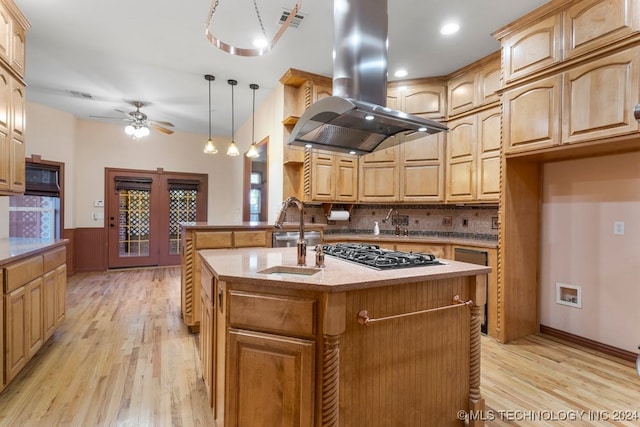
(475, 257)
(288, 239)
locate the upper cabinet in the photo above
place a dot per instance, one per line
(592, 24)
(474, 86)
(420, 97)
(576, 78)
(332, 177)
(13, 29)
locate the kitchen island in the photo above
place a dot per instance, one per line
(344, 345)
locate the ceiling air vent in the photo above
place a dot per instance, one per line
(296, 19)
(82, 95)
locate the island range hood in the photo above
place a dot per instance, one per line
(354, 119)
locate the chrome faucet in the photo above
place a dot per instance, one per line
(301, 244)
(393, 212)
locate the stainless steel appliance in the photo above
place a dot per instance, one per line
(475, 257)
(289, 239)
(375, 257)
(356, 119)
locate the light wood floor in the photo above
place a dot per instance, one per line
(123, 357)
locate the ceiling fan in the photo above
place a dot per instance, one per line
(138, 122)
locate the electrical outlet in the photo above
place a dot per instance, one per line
(465, 222)
(98, 203)
(447, 221)
(618, 227)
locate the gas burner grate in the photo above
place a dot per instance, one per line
(373, 256)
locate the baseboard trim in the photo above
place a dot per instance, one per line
(593, 345)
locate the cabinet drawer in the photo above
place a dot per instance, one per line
(23, 272)
(213, 240)
(244, 239)
(272, 313)
(54, 258)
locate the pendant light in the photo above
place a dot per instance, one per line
(233, 148)
(253, 150)
(209, 147)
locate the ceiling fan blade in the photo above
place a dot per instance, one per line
(161, 129)
(110, 118)
(160, 122)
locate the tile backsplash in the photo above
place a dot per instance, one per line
(479, 222)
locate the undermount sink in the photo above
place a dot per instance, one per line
(290, 269)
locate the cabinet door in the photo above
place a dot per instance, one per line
(5, 127)
(323, 180)
(463, 93)
(17, 150)
(205, 341)
(488, 170)
(61, 293)
(424, 100)
(379, 177)
(5, 33)
(49, 303)
(18, 49)
(592, 24)
(599, 98)
(422, 169)
(533, 48)
(489, 82)
(346, 171)
(461, 159)
(16, 332)
(2, 355)
(270, 380)
(35, 305)
(531, 116)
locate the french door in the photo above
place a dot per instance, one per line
(144, 211)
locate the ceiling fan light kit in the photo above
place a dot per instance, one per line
(138, 123)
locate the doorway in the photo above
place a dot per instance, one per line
(255, 185)
(144, 210)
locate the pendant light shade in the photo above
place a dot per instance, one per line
(233, 148)
(253, 150)
(209, 147)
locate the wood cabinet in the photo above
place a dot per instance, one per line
(489, 141)
(333, 177)
(3, 382)
(419, 97)
(599, 97)
(532, 48)
(34, 297)
(379, 176)
(422, 172)
(206, 335)
(438, 250)
(474, 86)
(592, 24)
(193, 240)
(531, 115)
(281, 363)
(13, 28)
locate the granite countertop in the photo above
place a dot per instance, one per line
(15, 248)
(244, 265)
(250, 226)
(392, 238)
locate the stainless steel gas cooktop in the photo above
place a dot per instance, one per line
(375, 257)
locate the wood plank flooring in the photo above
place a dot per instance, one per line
(123, 357)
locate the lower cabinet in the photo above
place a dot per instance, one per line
(34, 296)
(270, 380)
(439, 251)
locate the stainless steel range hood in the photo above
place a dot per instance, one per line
(354, 118)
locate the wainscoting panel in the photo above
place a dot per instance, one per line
(90, 249)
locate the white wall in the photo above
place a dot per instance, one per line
(581, 201)
(87, 147)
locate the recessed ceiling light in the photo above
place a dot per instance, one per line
(450, 28)
(401, 73)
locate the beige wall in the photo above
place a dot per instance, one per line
(581, 201)
(87, 147)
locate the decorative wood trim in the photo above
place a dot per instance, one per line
(476, 401)
(70, 235)
(590, 344)
(331, 381)
(90, 253)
